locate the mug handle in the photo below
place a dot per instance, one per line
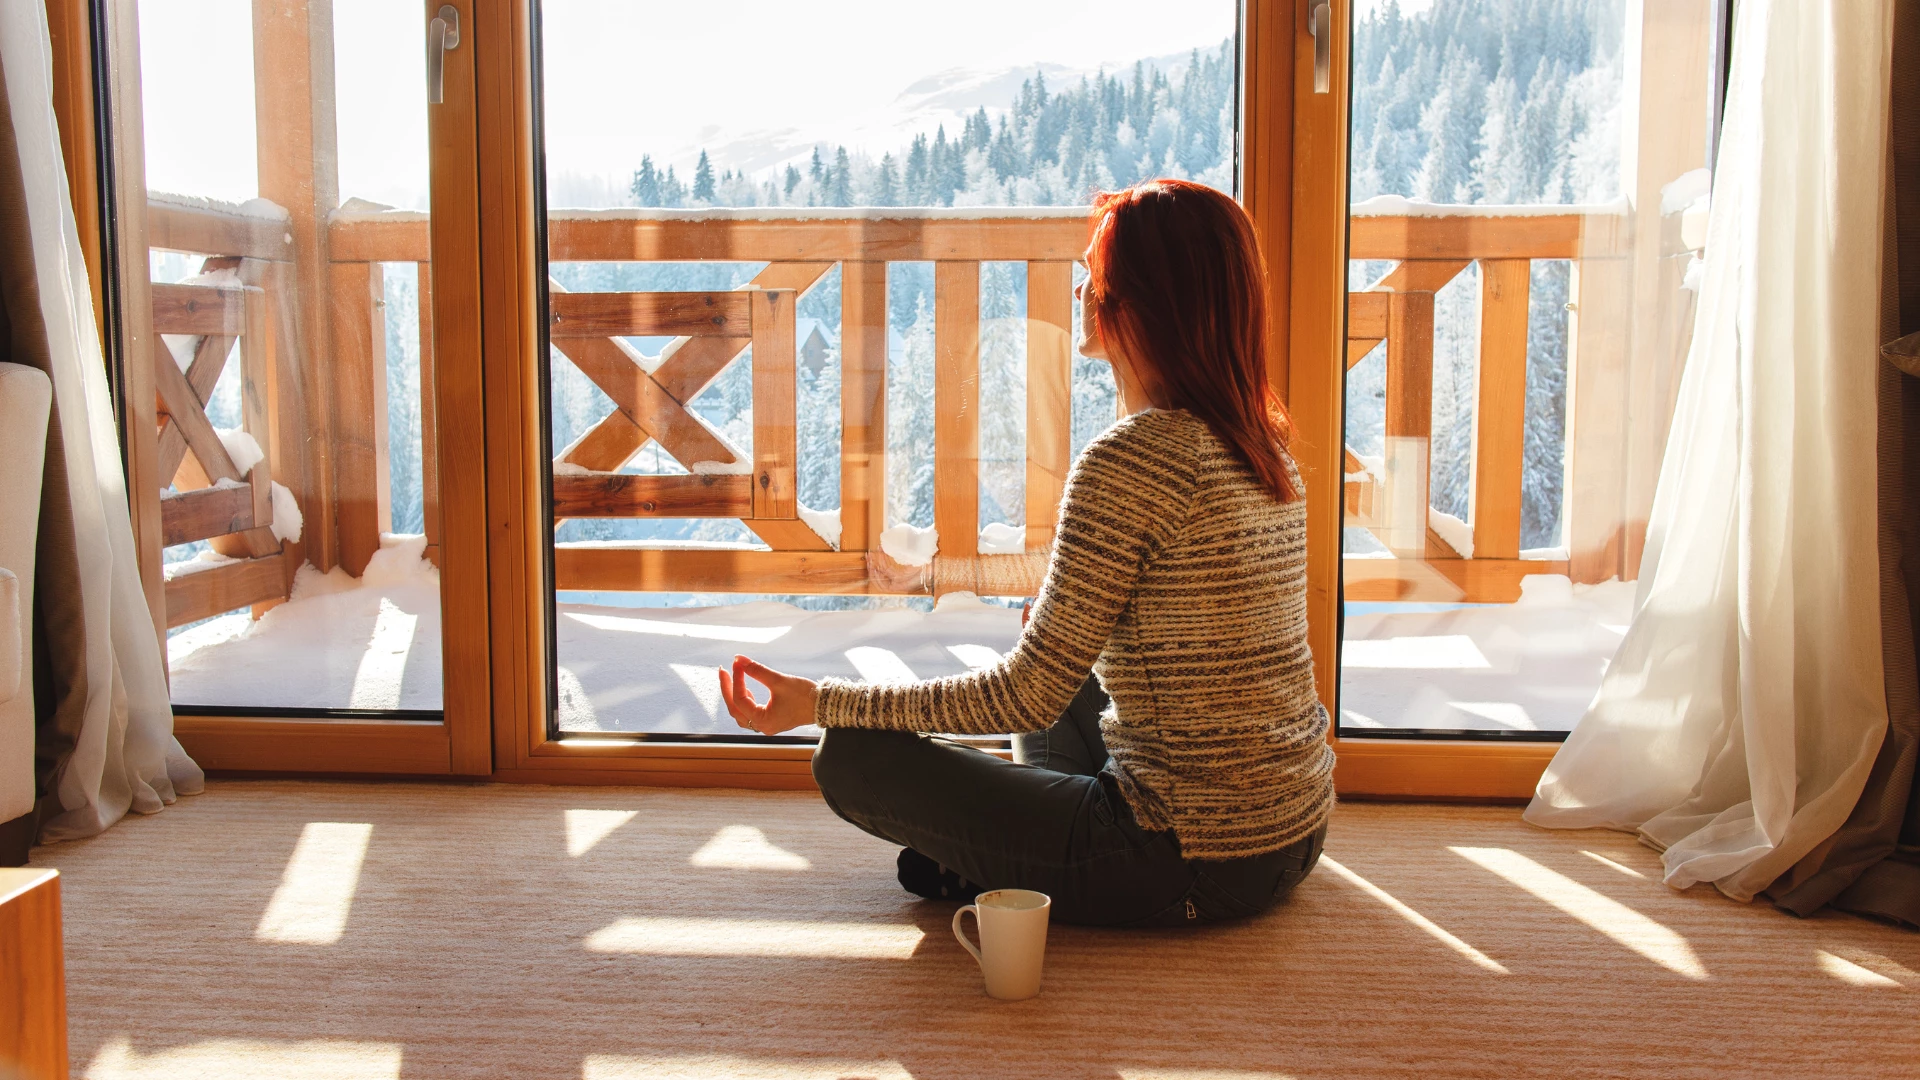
(961, 935)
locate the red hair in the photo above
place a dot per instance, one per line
(1176, 284)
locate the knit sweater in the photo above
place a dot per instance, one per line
(1180, 582)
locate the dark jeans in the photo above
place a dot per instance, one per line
(1048, 821)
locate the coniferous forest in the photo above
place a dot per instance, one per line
(1468, 101)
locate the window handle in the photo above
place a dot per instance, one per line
(443, 33)
(1320, 25)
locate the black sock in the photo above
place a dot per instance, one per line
(922, 876)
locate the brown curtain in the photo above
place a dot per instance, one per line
(1872, 864)
(58, 629)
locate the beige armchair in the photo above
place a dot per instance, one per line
(25, 398)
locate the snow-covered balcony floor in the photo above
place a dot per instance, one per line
(374, 643)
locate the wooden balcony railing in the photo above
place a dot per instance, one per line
(349, 437)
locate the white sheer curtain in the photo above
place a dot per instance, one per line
(1736, 727)
(125, 756)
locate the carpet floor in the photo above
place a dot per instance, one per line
(352, 931)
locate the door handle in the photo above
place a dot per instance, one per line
(443, 33)
(1320, 25)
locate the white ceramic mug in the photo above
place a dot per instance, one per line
(1013, 940)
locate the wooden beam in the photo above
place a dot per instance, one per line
(688, 364)
(1049, 395)
(396, 236)
(1593, 524)
(297, 165)
(786, 534)
(626, 236)
(1366, 316)
(186, 516)
(1420, 275)
(1500, 424)
(186, 414)
(776, 448)
(599, 315)
(605, 495)
(33, 981)
(208, 589)
(1409, 422)
(1359, 348)
(614, 366)
(1543, 236)
(206, 230)
(1451, 581)
(956, 407)
(362, 480)
(203, 374)
(863, 404)
(613, 568)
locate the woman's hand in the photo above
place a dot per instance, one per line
(789, 704)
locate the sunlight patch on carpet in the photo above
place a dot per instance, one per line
(743, 847)
(316, 890)
(717, 1067)
(585, 828)
(1603, 913)
(1426, 925)
(249, 1059)
(757, 937)
(1851, 973)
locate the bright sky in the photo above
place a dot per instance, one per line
(757, 84)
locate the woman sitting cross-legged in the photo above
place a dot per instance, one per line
(1177, 585)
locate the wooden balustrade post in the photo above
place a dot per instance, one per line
(863, 404)
(1409, 422)
(1049, 395)
(363, 491)
(956, 407)
(775, 416)
(295, 136)
(1500, 425)
(1592, 525)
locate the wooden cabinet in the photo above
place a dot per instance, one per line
(33, 980)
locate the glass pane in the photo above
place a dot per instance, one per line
(922, 356)
(302, 412)
(1529, 186)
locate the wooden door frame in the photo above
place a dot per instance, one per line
(460, 742)
(1315, 382)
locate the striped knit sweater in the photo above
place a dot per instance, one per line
(1182, 583)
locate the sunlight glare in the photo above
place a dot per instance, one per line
(316, 890)
(1851, 973)
(976, 656)
(585, 828)
(1602, 913)
(1425, 924)
(660, 936)
(877, 665)
(724, 1067)
(743, 847)
(376, 684)
(1450, 651)
(249, 1059)
(1604, 861)
(751, 635)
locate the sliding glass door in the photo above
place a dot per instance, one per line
(289, 369)
(1528, 188)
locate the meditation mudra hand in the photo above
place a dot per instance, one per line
(789, 704)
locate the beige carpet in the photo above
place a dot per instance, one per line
(501, 931)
